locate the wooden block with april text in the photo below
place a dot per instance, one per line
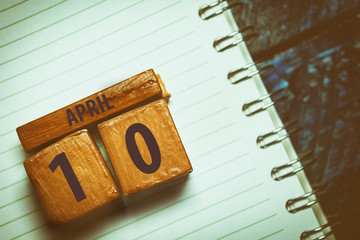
(128, 94)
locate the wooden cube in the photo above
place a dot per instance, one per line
(70, 178)
(144, 147)
(139, 89)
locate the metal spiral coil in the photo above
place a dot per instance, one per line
(310, 198)
(276, 171)
(234, 38)
(310, 234)
(247, 106)
(237, 75)
(216, 8)
(263, 140)
(246, 72)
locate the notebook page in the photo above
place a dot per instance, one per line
(53, 53)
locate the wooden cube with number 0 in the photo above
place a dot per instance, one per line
(144, 147)
(70, 178)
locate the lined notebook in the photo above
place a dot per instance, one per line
(53, 53)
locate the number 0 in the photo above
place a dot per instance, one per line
(62, 161)
(134, 150)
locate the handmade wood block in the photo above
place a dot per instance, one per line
(128, 94)
(144, 147)
(70, 178)
(165, 94)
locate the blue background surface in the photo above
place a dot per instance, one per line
(314, 47)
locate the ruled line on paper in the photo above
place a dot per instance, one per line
(152, 50)
(106, 71)
(187, 70)
(222, 164)
(15, 201)
(250, 225)
(56, 40)
(78, 48)
(9, 149)
(145, 53)
(202, 209)
(127, 62)
(82, 82)
(174, 203)
(193, 104)
(173, 59)
(209, 170)
(194, 176)
(41, 11)
(32, 230)
(15, 219)
(83, 46)
(191, 179)
(205, 117)
(271, 234)
(198, 174)
(217, 148)
(179, 56)
(211, 132)
(12, 166)
(16, 4)
(40, 29)
(224, 218)
(12, 184)
(193, 86)
(80, 29)
(6, 133)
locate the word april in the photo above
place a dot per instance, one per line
(90, 106)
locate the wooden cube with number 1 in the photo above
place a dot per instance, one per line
(144, 147)
(70, 178)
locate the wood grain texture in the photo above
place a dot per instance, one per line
(156, 117)
(53, 189)
(166, 95)
(134, 91)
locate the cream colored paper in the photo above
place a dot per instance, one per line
(53, 53)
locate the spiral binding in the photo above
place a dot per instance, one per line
(246, 107)
(263, 142)
(234, 38)
(266, 140)
(310, 198)
(236, 76)
(276, 171)
(221, 6)
(310, 234)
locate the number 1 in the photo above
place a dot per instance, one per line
(62, 161)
